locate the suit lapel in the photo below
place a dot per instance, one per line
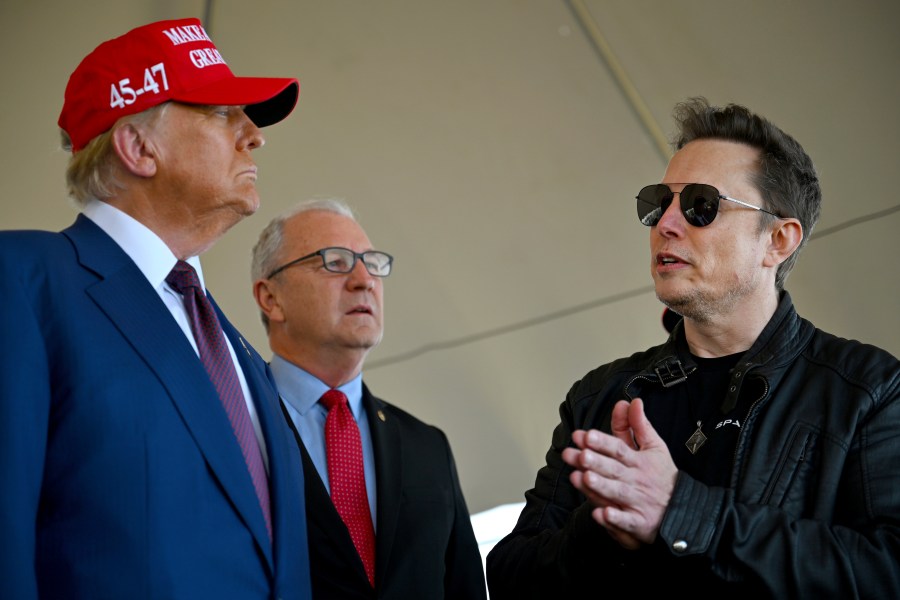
(324, 522)
(128, 300)
(387, 447)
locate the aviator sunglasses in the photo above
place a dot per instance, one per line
(699, 203)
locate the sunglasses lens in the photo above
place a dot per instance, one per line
(699, 204)
(652, 202)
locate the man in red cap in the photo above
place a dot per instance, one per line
(141, 442)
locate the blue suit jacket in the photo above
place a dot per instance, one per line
(121, 476)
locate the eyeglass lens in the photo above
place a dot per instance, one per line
(342, 260)
(699, 203)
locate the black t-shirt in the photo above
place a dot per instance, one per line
(696, 405)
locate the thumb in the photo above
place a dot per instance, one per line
(620, 426)
(644, 433)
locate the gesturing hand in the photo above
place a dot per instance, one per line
(628, 476)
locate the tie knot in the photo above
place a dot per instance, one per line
(183, 276)
(333, 398)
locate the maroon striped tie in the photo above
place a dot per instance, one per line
(347, 478)
(218, 363)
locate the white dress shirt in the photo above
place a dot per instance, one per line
(155, 260)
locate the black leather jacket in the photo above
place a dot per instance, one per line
(813, 507)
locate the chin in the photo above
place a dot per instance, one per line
(370, 341)
(244, 199)
(679, 302)
(251, 205)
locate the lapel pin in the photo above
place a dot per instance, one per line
(381, 415)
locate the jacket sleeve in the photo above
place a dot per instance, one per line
(25, 399)
(556, 547)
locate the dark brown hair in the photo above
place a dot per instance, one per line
(786, 177)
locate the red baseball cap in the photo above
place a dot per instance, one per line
(166, 60)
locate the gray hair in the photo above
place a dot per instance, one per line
(267, 248)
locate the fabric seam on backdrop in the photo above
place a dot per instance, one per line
(579, 308)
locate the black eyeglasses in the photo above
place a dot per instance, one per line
(343, 260)
(699, 203)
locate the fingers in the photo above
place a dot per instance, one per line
(625, 539)
(607, 484)
(578, 437)
(595, 442)
(627, 475)
(592, 472)
(628, 424)
(601, 479)
(625, 415)
(599, 462)
(592, 485)
(578, 482)
(590, 464)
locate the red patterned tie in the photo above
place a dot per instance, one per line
(347, 477)
(218, 363)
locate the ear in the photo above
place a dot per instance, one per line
(135, 150)
(784, 237)
(267, 299)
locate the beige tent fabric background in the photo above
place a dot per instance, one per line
(495, 149)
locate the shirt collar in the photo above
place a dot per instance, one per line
(302, 390)
(151, 255)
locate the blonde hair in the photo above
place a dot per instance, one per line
(92, 171)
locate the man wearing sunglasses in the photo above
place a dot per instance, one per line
(750, 455)
(403, 530)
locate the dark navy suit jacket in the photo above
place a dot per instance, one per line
(425, 548)
(120, 474)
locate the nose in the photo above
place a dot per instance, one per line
(250, 136)
(360, 278)
(672, 222)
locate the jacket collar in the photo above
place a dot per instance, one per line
(783, 337)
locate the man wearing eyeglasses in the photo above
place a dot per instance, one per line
(403, 530)
(752, 454)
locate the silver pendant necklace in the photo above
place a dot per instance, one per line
(697, 439)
